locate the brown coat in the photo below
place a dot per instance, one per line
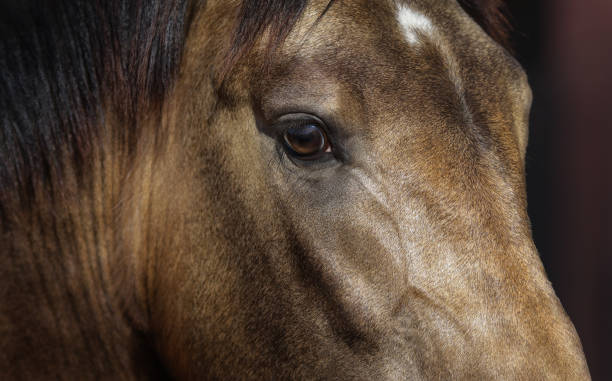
(196, 245)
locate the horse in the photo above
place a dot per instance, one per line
(272, 189)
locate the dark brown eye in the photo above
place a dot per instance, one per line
(306, 141)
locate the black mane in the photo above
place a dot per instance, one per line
(58, 58)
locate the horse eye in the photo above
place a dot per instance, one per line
(307, 141)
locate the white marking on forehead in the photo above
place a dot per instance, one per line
(413, 22)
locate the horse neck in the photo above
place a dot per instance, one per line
(69, 259)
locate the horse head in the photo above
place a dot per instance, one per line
(328, 190)
(357, 205)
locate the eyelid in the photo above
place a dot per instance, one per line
(323, 162)
(300, 118)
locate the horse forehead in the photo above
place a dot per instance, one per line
(394, 45)
(388, 53)
(394, 49)
(416, 20)
(393, 36)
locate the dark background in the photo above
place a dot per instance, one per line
(566, 48)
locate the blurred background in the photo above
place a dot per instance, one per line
(566, 48)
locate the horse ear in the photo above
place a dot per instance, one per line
(493, 17)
